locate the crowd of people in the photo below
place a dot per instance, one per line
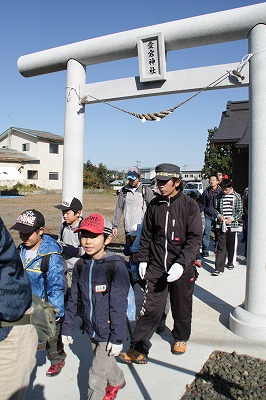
(164, 233)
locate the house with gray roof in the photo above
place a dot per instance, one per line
(234, 130)
(38, 155)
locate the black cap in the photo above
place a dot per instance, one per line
(164, 172)
(28, 221)
(70, 203)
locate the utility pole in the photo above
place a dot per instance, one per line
(8, 144)
(138, 162)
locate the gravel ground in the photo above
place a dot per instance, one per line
(102, 202)
(229, 376)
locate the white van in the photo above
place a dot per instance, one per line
(195, 185)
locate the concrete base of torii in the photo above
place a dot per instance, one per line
(248, 325)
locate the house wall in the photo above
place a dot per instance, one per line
(191, 175)
(148, 173)
(48, 162)
(18, 139)
(11, 164)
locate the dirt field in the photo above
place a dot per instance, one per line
(93, 202)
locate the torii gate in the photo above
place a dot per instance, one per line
(247, 320)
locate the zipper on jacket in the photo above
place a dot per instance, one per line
(90, 294)
(165, 233)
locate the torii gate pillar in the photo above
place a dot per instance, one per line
(74, 132)
(249, 320)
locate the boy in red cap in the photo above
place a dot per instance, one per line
(103, 282)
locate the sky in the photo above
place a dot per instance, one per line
(113, 138)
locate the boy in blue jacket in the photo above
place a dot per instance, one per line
(103, 282)
(35, 245)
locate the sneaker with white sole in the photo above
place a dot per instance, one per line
(179, 348)
(217, 273)
(133, 356)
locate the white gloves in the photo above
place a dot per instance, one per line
(67, 340)
(175, 272)
(142, 269)
(224, 227)
(114, 349)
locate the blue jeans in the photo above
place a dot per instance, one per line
(209, 222)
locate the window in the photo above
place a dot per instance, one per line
(32, 174)
(53, 148)
(25, 146)
(53, 176)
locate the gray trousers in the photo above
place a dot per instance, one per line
(104, 370)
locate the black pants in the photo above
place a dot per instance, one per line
(181, 292)
(227, 243)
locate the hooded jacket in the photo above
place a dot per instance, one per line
(15, 289)
(171, 232)
(104, 307)
(54, 278)
(132, 202)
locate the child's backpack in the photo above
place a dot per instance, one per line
(63, 225)
(131, 308)
(45, 267)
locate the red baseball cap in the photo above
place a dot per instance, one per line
(95, 223)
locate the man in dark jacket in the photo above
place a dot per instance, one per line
(207, 205)
(170, 240)
(18, 338)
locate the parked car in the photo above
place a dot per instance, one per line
(188, 191)
(195, 185)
